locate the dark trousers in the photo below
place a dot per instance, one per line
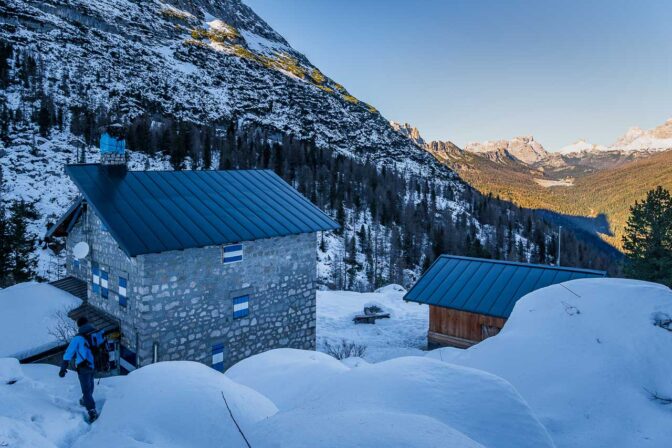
(85, 375)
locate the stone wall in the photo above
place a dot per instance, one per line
(105, 251)
(186, 299)
(182, 301)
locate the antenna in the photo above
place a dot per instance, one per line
(559, 243)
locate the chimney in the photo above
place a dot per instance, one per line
(113, 146)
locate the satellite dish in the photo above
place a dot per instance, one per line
(81, 250)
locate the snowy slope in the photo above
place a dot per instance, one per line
(588, 358)
(202, 61)
(29, 316)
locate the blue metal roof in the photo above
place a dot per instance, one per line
(158, 211)
(489, 287)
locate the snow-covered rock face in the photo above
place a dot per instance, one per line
(590, 360)
(634, 140)
(202, 61)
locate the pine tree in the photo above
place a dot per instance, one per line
(5, 249)
(23, 260)
(648, 238)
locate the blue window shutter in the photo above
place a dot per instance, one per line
(75, 263)
(232, 253)
(123, 292)
(241, 306)
(104, 283)
(218, 357)
(127, 359)
(95, 278)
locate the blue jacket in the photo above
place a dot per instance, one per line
(79, 348)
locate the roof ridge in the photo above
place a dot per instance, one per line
(521, 263)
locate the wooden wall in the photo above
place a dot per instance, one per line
(460, 328)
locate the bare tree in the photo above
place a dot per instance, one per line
(344, 349)
(64, 328)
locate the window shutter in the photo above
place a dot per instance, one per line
(123, 288)
(218, 357)
(104, 291)
(232, 253)
(95, 278)
(241, 306)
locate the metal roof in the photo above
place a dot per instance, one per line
(72, 285)
(489, 287)
(67, 221)
(158, 211)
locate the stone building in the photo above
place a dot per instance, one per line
(208, 266)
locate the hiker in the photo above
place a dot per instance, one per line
(80, 348)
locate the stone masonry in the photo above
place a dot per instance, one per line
(181, 302)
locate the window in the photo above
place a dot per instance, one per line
(104, 291)
(123, 298)
(241, 306)
(232, 253)
(218, 357)
(95, 278)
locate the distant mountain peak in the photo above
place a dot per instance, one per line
(524, 148)
(637, 139)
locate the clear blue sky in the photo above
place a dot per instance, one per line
(472, 70)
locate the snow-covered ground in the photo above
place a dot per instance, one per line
(282, 398)
(403, 334)
(583, 364)
(29, 317)
(589, 359)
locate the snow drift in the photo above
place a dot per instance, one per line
(177, 404)
(588, 357)
(410, 401)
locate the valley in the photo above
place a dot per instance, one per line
(588, 187)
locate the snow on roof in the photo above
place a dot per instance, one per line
(587, 356)
(28, 313)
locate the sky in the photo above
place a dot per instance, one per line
(474, 70)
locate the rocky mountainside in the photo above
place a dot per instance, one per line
(525, 149)
(208, 84)
(408, 131)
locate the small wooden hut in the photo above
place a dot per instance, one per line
(470, 299)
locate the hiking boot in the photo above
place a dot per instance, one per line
(93, 415)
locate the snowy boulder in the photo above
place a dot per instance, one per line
(29, 314)
(284, 375)
(10, 371)
(393, 289)
(176, 404)
(590, 359)
(411, 402)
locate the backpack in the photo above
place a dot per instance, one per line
(100, 349)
